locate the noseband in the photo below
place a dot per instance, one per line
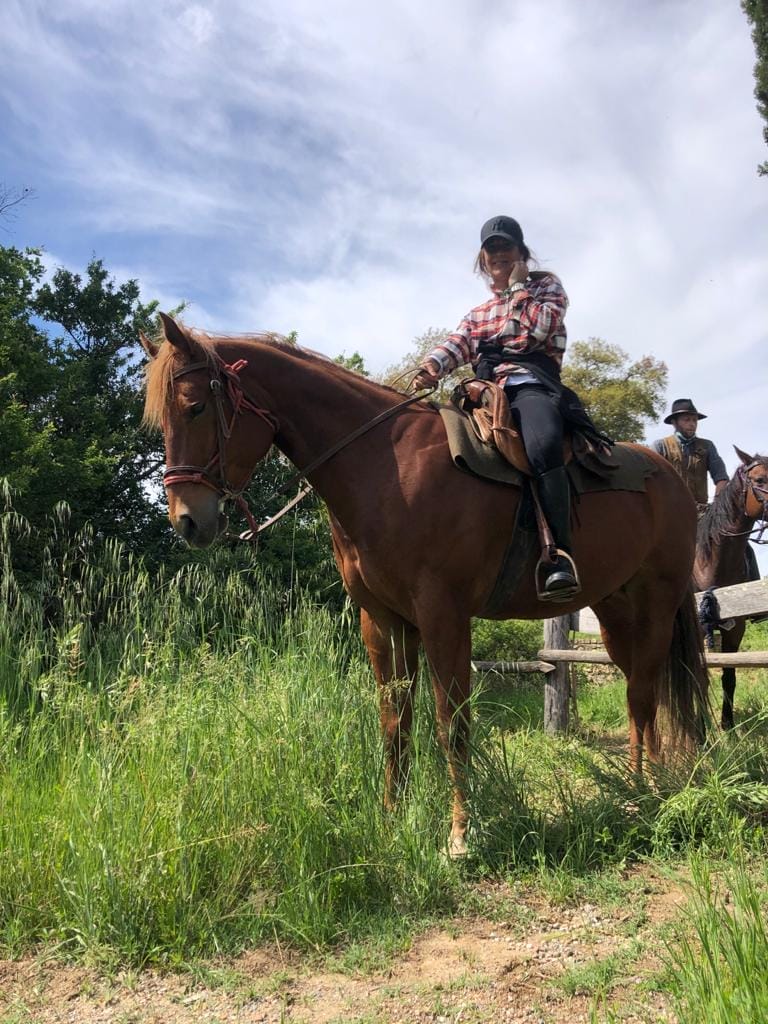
(224, 381)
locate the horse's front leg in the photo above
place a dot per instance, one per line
(447, 643)
(393, 648)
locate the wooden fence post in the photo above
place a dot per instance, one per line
(556, 684)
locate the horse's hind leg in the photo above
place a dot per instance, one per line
(616, 616)
(637, 633)
(731, 642)
(393, 648)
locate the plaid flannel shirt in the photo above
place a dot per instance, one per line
(526, 317)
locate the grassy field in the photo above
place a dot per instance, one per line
(191, 766)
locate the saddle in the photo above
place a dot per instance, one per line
(487, 408)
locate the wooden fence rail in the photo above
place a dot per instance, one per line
(512, 668)
(743, 659)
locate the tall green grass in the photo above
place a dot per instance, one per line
(190, 763)
(718, 955)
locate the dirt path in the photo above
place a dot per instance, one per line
(539, 964)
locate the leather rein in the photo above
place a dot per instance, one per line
(225, 383)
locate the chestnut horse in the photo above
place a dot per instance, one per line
(722, 546)
(418, 543)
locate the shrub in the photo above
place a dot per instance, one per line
(513, 639)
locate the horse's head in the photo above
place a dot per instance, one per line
(215, 432)
(755, 471)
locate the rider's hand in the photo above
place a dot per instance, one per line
(519, 273)
(424, 379)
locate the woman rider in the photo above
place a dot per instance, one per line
(517, 339)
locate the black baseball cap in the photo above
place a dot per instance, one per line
(502, 227)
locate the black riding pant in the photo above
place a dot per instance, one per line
(540, 424)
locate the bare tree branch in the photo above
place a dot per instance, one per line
(12, 197)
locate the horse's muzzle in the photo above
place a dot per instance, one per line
(200, 534)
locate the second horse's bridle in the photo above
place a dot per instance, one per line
(760, 494)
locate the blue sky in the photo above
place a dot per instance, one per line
(326, 168)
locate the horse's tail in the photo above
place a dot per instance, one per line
(683, 688)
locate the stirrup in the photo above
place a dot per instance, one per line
(545, 571)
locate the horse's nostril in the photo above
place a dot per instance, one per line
(186, 527)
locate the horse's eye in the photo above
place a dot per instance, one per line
(197, 409)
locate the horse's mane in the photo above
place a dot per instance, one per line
(723, 512)
(159, 371)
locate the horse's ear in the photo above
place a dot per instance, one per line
(149, 346)
(175, 334)
(746, 459)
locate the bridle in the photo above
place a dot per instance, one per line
(225, 379)
(760, 494)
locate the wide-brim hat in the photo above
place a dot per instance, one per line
(680, 406)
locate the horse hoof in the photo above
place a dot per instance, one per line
(457, 847)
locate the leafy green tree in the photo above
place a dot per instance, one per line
(71, 400)
(757, 15)
(621, 395)
(27, 382)
(104, 460)
(355, 363)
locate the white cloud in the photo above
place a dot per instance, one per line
(199, 22)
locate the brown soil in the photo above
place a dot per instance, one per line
(527, 965)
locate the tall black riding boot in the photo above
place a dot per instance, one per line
(561, 583)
